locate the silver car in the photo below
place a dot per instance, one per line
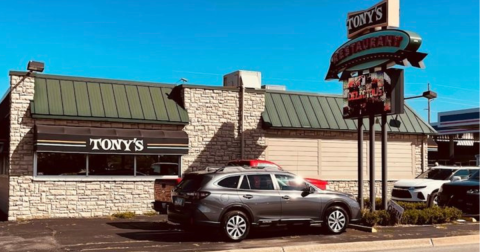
(236, 200)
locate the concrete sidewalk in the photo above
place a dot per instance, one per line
(154, 234)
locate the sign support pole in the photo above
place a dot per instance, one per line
(372, 161)
(384, 161)
(360, 161)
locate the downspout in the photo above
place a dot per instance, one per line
(242, 118)
(423, 155)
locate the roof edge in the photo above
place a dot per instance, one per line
(89, 79)
(303, 93)
(119, 120)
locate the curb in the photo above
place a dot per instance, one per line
(362, 228)
(371, 245)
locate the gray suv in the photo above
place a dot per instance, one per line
(236, 200)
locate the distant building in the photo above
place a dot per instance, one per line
(458, 138)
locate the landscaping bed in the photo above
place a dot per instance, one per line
(414, 214)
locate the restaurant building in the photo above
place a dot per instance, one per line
(86, 147)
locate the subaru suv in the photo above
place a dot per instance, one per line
(236, 200)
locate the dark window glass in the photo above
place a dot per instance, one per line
(245, 184)
(463, 174)
(158, 165)
(437, 174)
(290, 183)
(230, 182)
(260, 182)
(110, 165)
(190, 183)
(61, 164)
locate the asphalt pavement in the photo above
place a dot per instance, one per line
(152, 233)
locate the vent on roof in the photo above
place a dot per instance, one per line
(250, 79)
(274, 87)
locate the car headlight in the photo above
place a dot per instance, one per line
(473, 191)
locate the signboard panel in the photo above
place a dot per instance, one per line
(102, 140)
(376, 49)
(384, 14)
(375, 93)
(395, 210)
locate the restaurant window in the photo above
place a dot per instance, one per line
(158, 165)
(49, 163)
(3, 165)
(111, 165)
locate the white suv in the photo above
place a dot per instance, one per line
(425, 187)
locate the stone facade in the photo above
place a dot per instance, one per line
(214, 139)
(214, 129)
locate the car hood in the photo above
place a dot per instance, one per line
(419, 182)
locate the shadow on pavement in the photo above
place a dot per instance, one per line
(162, 232)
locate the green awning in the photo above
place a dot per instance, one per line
(289, 110)
(63, 97)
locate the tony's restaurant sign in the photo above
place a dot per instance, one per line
(384, 14)
(376, 49)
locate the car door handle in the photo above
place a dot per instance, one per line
(286, 197)
(247, 196)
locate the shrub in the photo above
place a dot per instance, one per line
(150, 213)
(124, 215)
(412, 205)
(421, 216)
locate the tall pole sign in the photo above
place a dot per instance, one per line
(371, 86)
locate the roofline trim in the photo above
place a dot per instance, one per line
(351, 131)
(88, 79)
(104, 119)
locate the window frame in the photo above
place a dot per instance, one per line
(89, 177)
(272, 178)
(288, 175)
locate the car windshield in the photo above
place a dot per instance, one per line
(475, 176)
(437, 174)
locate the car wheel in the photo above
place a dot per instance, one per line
(235, 226)
(433, 200)
(335, 220)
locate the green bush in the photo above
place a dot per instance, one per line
(412, 205)
(419, 216)
(124, 215)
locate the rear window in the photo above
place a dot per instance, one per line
(230, 182)
(190, 184)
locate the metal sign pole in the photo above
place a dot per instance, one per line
(384, 161)
(372, 161)
(360, 161)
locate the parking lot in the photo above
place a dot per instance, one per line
(152, 233)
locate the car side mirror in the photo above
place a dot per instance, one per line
(307, 190)
(456, 178)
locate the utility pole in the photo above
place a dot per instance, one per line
(429, 100)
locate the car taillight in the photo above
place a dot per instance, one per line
(198, 195)
(179, 180)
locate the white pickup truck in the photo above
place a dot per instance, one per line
(425, 187)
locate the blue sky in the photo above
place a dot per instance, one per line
(290, 42)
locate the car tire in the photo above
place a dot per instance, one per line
(235, 226)
(433, 199)
(335, 220)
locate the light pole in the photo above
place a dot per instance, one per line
(430, 95)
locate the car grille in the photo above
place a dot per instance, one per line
(403, 194)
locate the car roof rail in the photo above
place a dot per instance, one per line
(231, 169)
